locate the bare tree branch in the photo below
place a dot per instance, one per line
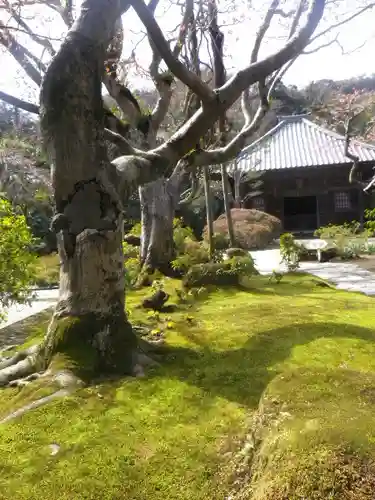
(353, 174)
(225, 153)
(123, 145)
(163, 81)
(193, 192)
(19, 103)
(297, 18)
(245, 99)
(125, 100)
(43, 41)
(20, 54)
(369, 6)
(260, 69)
(178, 69)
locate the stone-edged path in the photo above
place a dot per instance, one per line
(344, 275)
(42, 301)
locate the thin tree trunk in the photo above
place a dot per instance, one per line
(226, 187)
(217, 44)
(89, 327)
(209, 216)
(237, 186)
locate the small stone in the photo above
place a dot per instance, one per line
(100, 396)
(285, 414)
(55, 448)
(138, 371)
(66, 379)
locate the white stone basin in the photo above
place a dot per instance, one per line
(315, 244)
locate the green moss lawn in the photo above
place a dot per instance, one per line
(294, 363)
(47, 270)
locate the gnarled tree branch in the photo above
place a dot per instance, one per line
(43, 41)
(20, 54)
(187, 137)
(353, 174)
(175, 66)
(19, 103)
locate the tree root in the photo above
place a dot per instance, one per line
(151, 346)
(35, 404)
(21, 369)
(20, 366)
(27, 366)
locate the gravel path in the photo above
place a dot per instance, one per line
(43, 300)
(344, 275)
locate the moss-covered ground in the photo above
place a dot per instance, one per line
(297, 355)
(47, 270)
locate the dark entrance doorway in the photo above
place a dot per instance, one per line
(300, 213)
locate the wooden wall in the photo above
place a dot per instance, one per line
(321, 182)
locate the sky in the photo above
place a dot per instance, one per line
(327, 63)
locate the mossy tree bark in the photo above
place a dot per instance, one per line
(158, 203)
(89, 325)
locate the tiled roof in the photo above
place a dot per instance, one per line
(298, 142)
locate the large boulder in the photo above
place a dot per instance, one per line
(253, 229)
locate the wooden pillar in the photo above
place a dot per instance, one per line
(361, 207)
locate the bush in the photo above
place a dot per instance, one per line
(253, 229)
(131, 264)
(181, 234)
(349, 242)
(370, 220)
(333, 231)
(189, 251)
(17, 263)
(224, 273)
(194, 252)
(236, 252)
(290, 251)
(221, 241)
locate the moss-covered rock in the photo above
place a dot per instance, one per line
(236, 252)
(224, 273)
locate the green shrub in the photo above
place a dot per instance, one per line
(221, 241)
(224, 273)
(131, 264)
(237, 252)
(47, 271)
(130, 251)
(189, 251)
(349, 241)
(136, 230)
(194, 252)
(370, 250)
(132, 270)
(370, 220)
(290, 251)
(17, 263)
(333, 231)
(181, 234)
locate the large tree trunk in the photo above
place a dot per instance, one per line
(158, 205)
(89, 327)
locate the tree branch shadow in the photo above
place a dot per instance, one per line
(241, 375)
